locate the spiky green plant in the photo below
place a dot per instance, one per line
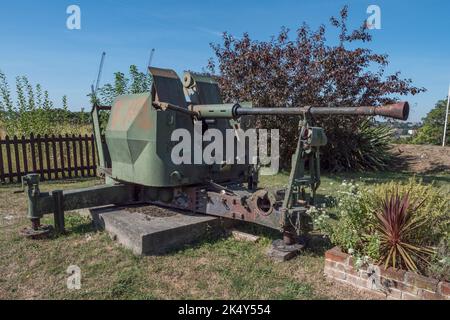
(396, 222)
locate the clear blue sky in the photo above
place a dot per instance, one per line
(35, 41)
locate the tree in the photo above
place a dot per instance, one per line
(138, 82)
(307, 71)
(34, 112)
(432, 130)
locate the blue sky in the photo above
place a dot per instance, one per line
(35, 41)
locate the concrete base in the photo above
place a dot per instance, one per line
(279, 252)
(150, 230)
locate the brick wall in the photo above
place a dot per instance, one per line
(389, 283)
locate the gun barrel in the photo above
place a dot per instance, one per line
(398, 110)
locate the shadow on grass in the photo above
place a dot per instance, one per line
(316, 244)
(382, 177)
(74, 225)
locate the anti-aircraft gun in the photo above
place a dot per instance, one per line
(135, 159)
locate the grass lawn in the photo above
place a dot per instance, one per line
(215, 268)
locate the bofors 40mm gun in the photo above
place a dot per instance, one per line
(135, 158)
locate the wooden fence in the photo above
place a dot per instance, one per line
(53, 157)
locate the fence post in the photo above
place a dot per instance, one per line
(40, 158)
(75, 158)
(69, 162)
(8, 159)
(93, 150)
(33, 152)
(16, 158)
(88, 162)
(24, 155)
(82, 163)
(55, 159)
(61, 156)
(47, 158)
(2, 167)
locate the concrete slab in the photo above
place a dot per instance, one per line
(243, 236)
(151, 230)
(279, 252)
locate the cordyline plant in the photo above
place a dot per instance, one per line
(396, 224)
(309, 72)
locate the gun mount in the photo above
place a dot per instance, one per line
(135, 159)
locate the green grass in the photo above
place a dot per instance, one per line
(215, 268)
(329, 182)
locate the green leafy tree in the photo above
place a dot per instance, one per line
(432, 130)
(135, 82)
(34, 112)
(308, 71)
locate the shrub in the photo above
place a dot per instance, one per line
(432, 130)
(396, 222)
(358, 230)
(32, 111)
(308, 70)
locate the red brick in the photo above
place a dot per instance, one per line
(336, 255)
(400, 286)
(328, 270)
(428, 295)
(409, 288)
(351, 261)
(409, 296)
(357, 281)
(330, 264)
(393, 274)
(341, 267)
(363, 273)
(421, 281)
(444, 288)
(335, 273)
(350, 269)
(394, 294)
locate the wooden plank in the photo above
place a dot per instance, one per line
(47, 157)
(94, 162)
(69, 162)
(2, 167)
(40, 158)
(8, 159)
(82, 163)
(61, 156)
(24, 155)
(55, 159)
(75, 158)
(33, 152)
(88, 162)
(18, 172)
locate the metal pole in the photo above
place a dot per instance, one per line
(446, 118)
(58, 200)
(100, 69)
(150, 59)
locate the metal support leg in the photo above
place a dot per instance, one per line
(58, 213)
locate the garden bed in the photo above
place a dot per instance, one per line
(392, 283)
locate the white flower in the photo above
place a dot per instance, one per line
(351, 251)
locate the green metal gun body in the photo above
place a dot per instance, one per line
(136, 148)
